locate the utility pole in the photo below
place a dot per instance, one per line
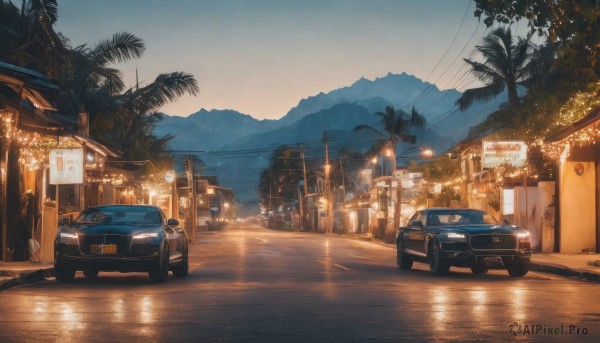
(303, 209)
(193, 212)
(329, 221)
(343, 180)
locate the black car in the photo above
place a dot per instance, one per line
(124, 238)
(445, 237)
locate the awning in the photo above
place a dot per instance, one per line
(94, 145)
(592, 117)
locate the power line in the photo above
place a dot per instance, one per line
(411, 102)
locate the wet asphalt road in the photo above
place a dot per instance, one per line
(251, 284)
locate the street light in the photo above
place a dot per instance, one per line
(425, 151)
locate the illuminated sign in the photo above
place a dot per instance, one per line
(66, 166)
(508, 201)
(496, 153)
(170, 176)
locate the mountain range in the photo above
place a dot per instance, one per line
(236, 146)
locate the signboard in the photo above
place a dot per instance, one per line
(66, 166)
(408, 184)
(495, 153)
(415, 175)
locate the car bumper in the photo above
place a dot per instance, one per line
(108, 263)
(492, 258)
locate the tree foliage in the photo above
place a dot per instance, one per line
(573, 24)
(566, 71)
(279, 181)
(507, 63)
(396, 128)
(121, 118)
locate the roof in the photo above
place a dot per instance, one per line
(94, 145)
(566, 131)
(33, 77)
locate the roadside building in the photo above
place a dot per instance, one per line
(356, 214)
(497, 177)
(51, 168)
(576, 150)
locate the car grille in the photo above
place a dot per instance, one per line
(460, 246)
(122, 242)
(495, 242)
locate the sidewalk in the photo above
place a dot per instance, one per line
(585, 266)
(20, 273)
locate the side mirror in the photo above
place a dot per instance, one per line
(505, 222)
(172, 222)
(416, 223)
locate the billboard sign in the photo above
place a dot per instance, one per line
(66, 166)
(496, 153)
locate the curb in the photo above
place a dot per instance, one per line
(564, 271)
(10, 279)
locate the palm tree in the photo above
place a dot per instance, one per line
(119, 118)
(396, 128)
(129, 120)
(27, 36)
(506, 65)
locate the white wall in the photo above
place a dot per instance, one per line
(577, 208)
(528, 213)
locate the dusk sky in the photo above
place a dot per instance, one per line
(261, 57)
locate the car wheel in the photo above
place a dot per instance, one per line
(90, 273)
(182, 270)
(64, 274)
(160, 272)
(518, 269)
(404, 261)
(479, 268)
(437, 265)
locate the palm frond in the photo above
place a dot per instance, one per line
(416, 119)
(166, 88)
(123, 46)
(46, 8)
(483, 72)
(485, 94)
(368, 127)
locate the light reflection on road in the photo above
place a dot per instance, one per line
(327, 262)
(263, 285)
(479, 297)
(518, 297)
(439, 303)
(118, 311)
(147, 310)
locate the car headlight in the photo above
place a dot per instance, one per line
(146, 234)
(67, 236)
(523, 236)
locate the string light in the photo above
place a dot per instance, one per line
(580, 105)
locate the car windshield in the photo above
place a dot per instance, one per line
(460, 217)
(119, 215)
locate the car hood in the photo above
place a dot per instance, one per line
(110, 229)
(479, 229)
